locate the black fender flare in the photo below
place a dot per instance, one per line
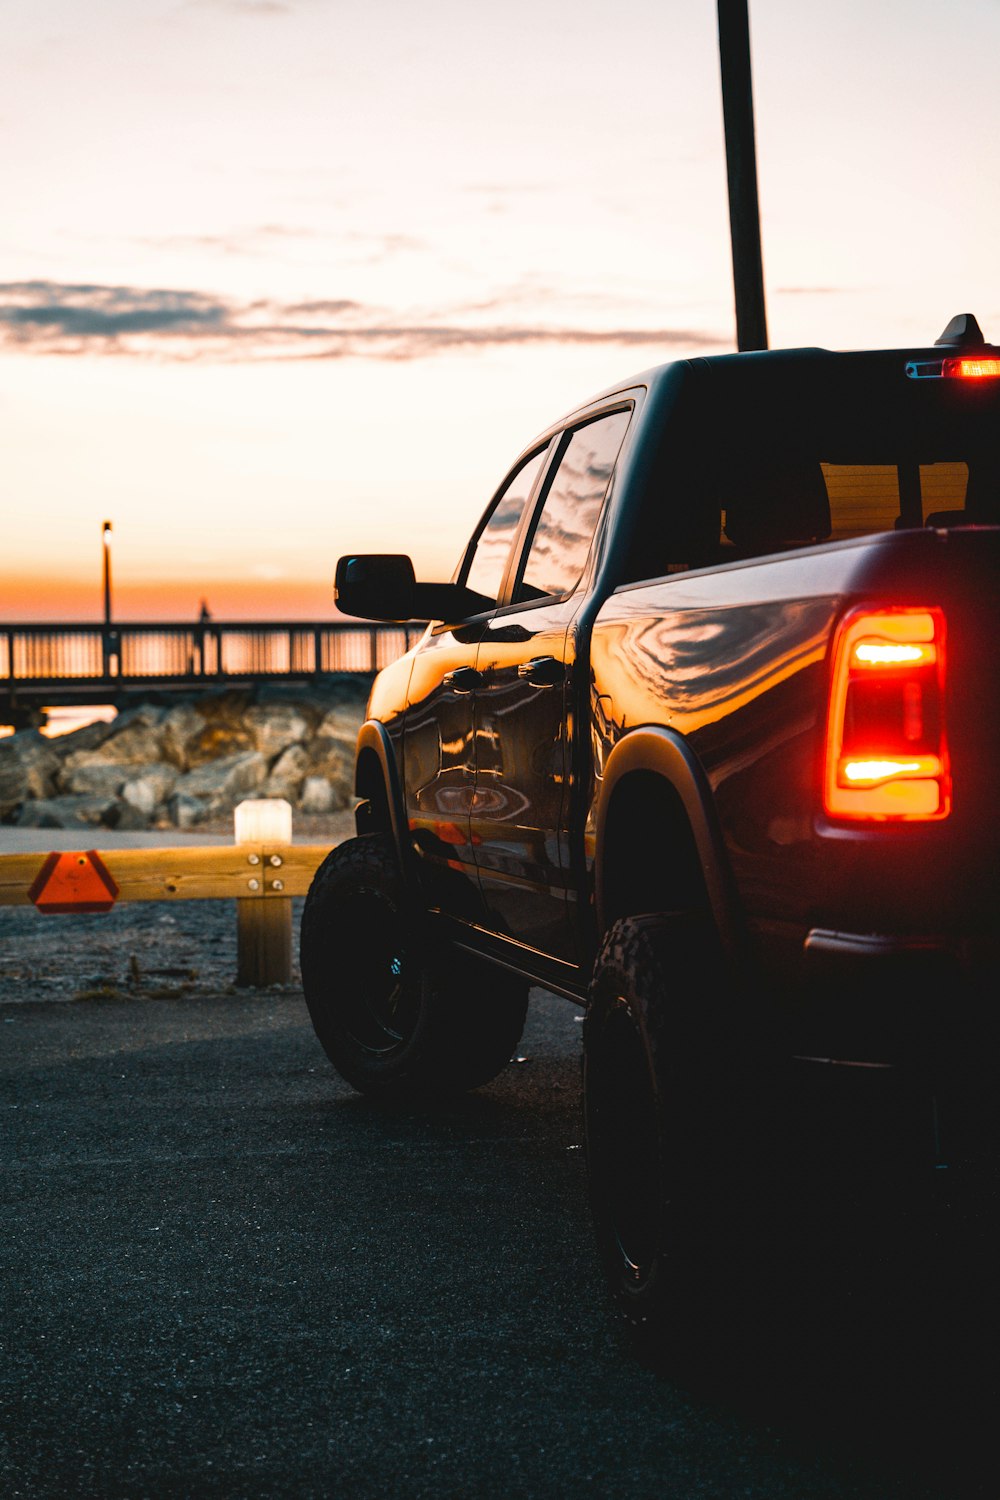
(667, 755)
(373, 737)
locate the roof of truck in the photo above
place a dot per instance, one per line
(961, 337)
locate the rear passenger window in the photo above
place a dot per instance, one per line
(489, 560)
(870, 497)
(565, 529)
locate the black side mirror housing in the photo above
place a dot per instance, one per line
(376, 586)
(382, 586)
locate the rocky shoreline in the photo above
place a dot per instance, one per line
(187, 764)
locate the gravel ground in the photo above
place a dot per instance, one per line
(143, 949)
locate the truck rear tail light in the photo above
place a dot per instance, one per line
(886, 754)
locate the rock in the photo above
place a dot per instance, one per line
(85, 777)
(148, 715)
(222, 783)
(144, 793)
(218, 741)
(208, 751)
(342, 721)
(317, 796)
(87, 738)
(333, 759)
(136, 744)
(287, 773)
(179, 730)
(128, 814)
(274, 726)
(28, 765)
(141, 786)
(70, 812)
(186, 812)
(211, 729)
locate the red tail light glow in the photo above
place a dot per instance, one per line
(971, 369)
(886, 754)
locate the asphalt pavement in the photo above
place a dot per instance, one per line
(225, 1274)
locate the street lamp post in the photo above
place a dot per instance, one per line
(106, 538)
(110, 652)
(741, 163)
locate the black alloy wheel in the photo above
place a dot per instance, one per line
(401, 1017)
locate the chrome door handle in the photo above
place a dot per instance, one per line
(542, 672)
(463, 680)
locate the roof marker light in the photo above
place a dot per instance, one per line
(954, 368)
(971, 369)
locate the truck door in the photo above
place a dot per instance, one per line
(522, 716)
(438, 741)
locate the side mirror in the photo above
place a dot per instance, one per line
(376, 586)
(382, 586)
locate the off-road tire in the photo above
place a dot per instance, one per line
(400, 1017)
(660, 1105)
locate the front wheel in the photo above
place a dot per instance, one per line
(399, 1016)
(658, 1113)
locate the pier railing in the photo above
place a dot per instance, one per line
(65, 659)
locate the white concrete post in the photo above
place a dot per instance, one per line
(263, 925)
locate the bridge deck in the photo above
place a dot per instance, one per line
(88, 663)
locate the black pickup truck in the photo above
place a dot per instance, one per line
(703, 736)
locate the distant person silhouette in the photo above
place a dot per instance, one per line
(204, 613)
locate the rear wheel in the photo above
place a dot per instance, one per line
(399, 1016)
(659, 1104)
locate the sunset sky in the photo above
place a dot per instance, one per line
(285, 278)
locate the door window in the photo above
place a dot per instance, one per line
(489, 560)
(565, 529)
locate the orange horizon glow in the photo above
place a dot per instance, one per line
(59, 600)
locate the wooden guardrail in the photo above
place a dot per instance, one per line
(245, 872)
(261, 875)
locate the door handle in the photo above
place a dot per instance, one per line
(463, 680)
(542, 672)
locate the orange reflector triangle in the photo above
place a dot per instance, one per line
(72, 882)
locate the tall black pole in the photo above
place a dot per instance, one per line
(741, 163)
(106, 539)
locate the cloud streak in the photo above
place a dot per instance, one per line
(73, 319)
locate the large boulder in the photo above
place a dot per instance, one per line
(317, 796)
(193, 760)
(141, 788)
(179, 731)
(183, 811)
(224, 732)
(84, 777)
(342, 721)
(275, 726)
(70, 812)
(28, 764)
(88, 738)
(135, 745)
(287, 773)
(144, 792)
(218, 740)
(220, 784)
(333, 758)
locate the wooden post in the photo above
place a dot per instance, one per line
(741, 160)
(263, 923)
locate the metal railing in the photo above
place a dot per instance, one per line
(36, 656)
